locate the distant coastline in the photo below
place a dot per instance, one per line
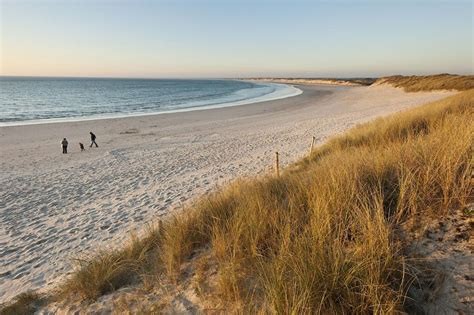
(319, 81)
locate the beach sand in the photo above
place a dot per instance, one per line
(56, 207)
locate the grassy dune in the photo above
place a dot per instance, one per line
(323, 237)
(430, 82)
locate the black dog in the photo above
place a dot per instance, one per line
(81, 146)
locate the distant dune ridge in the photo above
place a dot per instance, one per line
(337, 232)
(430, 82)
(413, 83)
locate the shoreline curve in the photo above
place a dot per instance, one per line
(277, 94)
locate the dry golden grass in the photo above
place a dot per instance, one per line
(321, 237)
(111, 270)
(430, 82)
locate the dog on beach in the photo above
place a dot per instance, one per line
(81, 146)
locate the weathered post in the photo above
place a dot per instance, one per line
(312, 145)
(277, 164)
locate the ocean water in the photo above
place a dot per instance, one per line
(38, 100)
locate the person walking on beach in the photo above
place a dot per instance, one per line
(93, 137)
(64, 143)
(81, 146)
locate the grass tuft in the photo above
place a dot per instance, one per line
(110, 270)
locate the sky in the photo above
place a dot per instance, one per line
(228, 39)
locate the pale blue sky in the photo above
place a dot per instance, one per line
(235, 38)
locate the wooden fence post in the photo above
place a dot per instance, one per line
(277, 164)
(312, 145)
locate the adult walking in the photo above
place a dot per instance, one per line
(64, 143)
(93, 137)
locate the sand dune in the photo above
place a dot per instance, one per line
(55, 207)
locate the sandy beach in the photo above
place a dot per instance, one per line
(56, 207)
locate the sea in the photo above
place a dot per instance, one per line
(33, 100)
